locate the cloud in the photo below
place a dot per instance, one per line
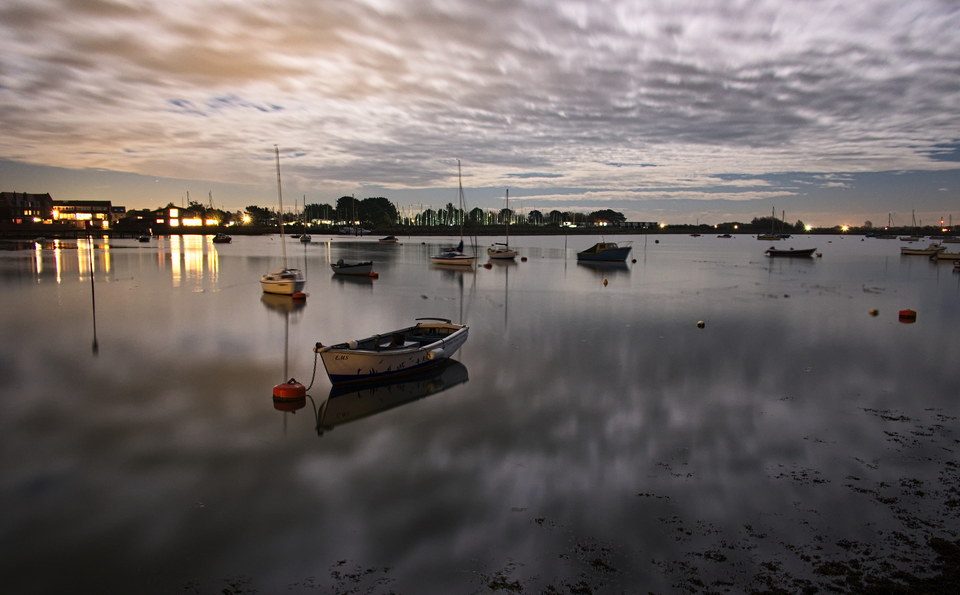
(390, 93)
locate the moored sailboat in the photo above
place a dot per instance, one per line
(284, 281)
(456, 256)
(503, 251)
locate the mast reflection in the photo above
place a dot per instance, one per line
(350, 403)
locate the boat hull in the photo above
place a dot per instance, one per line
(805, 253)
(946, 256)
(344, 364)
(501, 253)
(286, 282)
(608, 255)
(453, 259)
(360, 269)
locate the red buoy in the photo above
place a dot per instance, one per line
(374, 275)
(289, 390)
(299, 295)
(487, 265)
(908, 315)
(523, 259)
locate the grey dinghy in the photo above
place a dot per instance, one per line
(414, 348)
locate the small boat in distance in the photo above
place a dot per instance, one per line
(724, 235)
(388, 240)
(222, 238)
(395, 353)
(305, 238)
(285, 281)
(791, 253)
(359, 268)
(945, 256)
(930, 250)
(143, 238)
(605, 252)
(502, 251)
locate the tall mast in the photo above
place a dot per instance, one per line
(460, 182)
(509, 217)
(283, 245)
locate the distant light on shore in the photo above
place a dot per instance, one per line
(844, 228)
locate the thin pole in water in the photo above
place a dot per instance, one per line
(93, 298)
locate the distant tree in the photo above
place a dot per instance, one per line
(606, 215)
(377, 211)
(347, 208)
(503, 215)
(313, 212)
(475, 217)
(535, 217)
(260, 215)
(556, 217)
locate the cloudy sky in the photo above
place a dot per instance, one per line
(671, 111)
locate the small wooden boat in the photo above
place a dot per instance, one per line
(388, 240)
(791, 253)
(605, 252)
(945, 256)
(285, 281)
(910, 238)
(930, 250)
(222, 238)
(426, 344)
(358, 268)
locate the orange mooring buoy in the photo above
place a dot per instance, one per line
(289, 390)
(523, 259)
(908, 316)
(299, 295)
(374, 275)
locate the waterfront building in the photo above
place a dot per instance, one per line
(22, 207)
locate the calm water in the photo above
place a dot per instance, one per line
(590, 437)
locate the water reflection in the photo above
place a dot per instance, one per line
(605, 268)
(351, 403)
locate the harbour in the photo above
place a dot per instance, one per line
(698, 417)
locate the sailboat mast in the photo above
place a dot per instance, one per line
(509, 217)
(460, 183)
(283, 245)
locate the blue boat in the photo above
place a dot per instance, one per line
(605, 252)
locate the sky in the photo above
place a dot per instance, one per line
(681, 111)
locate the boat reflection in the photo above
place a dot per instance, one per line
(347, 404)
(282, 304)
(605, 267)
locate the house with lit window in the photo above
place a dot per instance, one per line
(176, 218)
(84, 214)
(22, 207)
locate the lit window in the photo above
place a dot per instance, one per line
(174, 213)
(174, 223)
